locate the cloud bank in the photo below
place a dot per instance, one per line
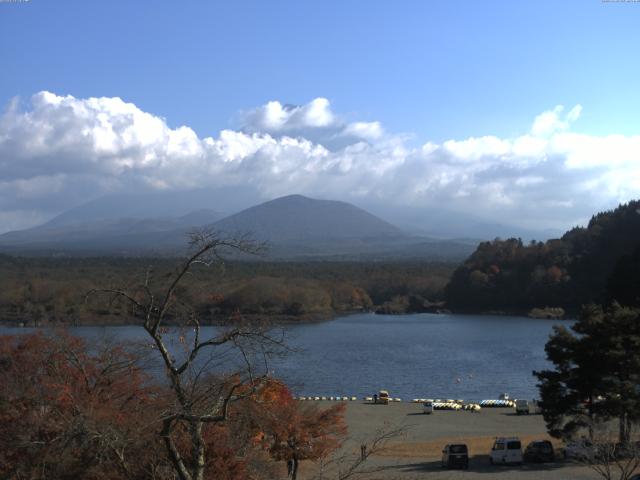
(59, 151)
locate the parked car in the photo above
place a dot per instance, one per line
(506, 450)
(580, 450)
(522, 407)
(539, 451)
(427, 407)
(455, 455)
(382, 398)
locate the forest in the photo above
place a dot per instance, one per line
(598, 264)
(51, 291)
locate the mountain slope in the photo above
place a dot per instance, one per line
(104, 234)
(295, 218)
(157, 205)
(294, 227)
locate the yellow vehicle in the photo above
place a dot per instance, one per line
(383, 397)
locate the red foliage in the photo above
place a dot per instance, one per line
(67, 413)
(293, 431)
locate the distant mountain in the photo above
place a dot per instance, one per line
(170, 204)
(295, 227)
(107, 235)
(442, 223)
(298, 227)
(296, 218)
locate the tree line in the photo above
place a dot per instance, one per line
(595, 264)
(49, 291)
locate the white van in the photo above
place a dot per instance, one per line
(506, 450)
(427, 407)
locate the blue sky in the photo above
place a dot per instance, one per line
(437, 70)
(429, 72)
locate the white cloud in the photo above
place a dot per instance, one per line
(63, 150)
(367, 130)
(275, 117)
(551, 121)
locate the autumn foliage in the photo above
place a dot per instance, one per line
(291, 431)
(69, 410)
(68, 413)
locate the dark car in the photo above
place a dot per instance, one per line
(455, 455)
(539, 451)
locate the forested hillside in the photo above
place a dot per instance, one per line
(599, 263)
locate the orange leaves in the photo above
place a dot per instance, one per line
(61, 405)
(274, 392)
(302, 432)
(91, 413)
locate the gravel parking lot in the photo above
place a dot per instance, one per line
(416, 454)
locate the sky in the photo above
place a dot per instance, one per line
(520, 112)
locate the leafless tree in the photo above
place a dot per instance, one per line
(349, 465)
(206, 373)
(611, 460)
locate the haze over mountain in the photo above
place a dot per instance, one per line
(159, 204)
(297, 218)
(293, 226)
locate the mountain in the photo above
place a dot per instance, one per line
(106, 235)
(445, 224)
(170, 204)
(597, 263)
(294, 227)
(295, 218)
(298, 227)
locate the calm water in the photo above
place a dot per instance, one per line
(412, 356)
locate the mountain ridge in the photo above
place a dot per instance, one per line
(295, 227)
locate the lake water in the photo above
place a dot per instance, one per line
(413, 356)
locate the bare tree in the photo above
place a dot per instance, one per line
(611, 460)
(349, 465)
(206, 374)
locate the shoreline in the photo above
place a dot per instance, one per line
(285, 320)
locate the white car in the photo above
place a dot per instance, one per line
(506, 450)
(580, 450)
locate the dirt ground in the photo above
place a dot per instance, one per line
(416, 454)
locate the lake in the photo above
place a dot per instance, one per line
(469, 357)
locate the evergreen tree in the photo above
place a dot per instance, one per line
(597, 373)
